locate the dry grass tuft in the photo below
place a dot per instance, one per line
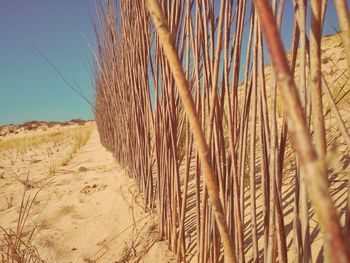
(16, 245)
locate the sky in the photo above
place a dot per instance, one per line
(29, 88)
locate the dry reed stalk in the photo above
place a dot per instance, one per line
(181, 83)
(252, 156)
(142, 121)
(315, 76)
(304, 207)
(344, 23)
(315, 172)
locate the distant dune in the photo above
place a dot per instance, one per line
(21, 129)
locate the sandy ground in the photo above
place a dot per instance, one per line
(89, 211)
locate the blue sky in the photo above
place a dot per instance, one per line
(29, 88)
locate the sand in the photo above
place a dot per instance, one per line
(89, 211)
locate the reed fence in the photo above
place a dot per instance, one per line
(234, 154)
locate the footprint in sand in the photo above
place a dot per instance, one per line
(83, 169)
(90, 189)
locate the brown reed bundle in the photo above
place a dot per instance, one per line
(202, 130)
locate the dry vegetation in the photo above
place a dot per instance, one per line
(237, 160)
(251, 171)
(67, 201)
(17, 244)
(29, 160)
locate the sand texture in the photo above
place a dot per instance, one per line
(88, 211)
